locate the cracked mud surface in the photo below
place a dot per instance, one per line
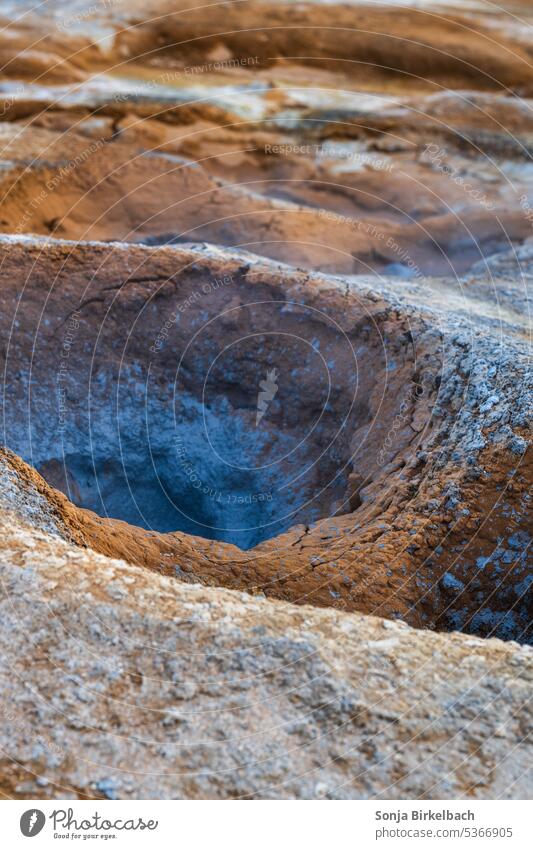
(333, 211)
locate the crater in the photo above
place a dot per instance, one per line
(235, 422)
(220, 406)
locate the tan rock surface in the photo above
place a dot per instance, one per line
(120, 683)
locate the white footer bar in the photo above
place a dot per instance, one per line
(268, 825)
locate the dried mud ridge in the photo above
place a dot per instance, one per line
(413, 450)
(264, 327)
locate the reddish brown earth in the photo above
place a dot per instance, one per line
(150, 141)
(421, 504)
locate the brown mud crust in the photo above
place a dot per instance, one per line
(425, 522)
(337, 156)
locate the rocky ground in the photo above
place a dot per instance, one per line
(205, 595)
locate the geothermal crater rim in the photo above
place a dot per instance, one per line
(323, 561)
(329, 398)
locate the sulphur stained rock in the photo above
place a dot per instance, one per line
(120, 683)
